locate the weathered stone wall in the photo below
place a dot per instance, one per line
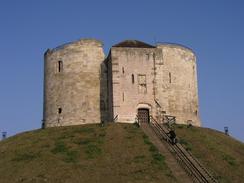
(127, 66)
(80, 87)
(170, 79)
(177, 90)
(72, 83)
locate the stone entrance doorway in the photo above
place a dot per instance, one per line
(143, 115)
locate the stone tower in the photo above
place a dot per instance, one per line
(158, 81)
(136, 80)
(176, 83)
(72, 83)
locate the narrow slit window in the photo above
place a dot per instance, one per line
(123, 96)
(59, 110)
(123, 70)
(60, 66)
(169, 77)
(132, 78)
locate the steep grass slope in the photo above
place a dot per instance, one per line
(221, 154)
(114, 153)
(88, 153)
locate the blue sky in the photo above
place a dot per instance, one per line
(213, 29)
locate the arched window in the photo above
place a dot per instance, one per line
(132, 79)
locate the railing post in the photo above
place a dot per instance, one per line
(137, 121)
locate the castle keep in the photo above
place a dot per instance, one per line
(136, 80)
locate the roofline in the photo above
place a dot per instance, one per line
(175, 44)
(132, 43)
(62, 46)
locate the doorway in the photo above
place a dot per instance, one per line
(143, 115)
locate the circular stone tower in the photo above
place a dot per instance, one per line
(72, 83)
(178, 93)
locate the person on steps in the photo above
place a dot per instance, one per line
(172, 136)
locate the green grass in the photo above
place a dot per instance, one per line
(24, 157)
(93, 151)
(88, 153)
(186, 144)
(221, 154)
(158, 159)
(113, 153)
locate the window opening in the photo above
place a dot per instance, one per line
(123, 70)
(169, 77)
(132, 78)
(60, 66)
(59, 110)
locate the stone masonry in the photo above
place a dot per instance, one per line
(81, 86)
(72, 83)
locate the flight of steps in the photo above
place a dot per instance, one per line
(190, 169)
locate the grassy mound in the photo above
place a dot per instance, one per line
(114, 153)
(88, 153)
(220, 153)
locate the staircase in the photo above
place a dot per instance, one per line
(192, 167)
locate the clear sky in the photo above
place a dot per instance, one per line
(214, 29)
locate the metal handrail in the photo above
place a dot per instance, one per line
(193, 171)
(115, 118)
(189, 166)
